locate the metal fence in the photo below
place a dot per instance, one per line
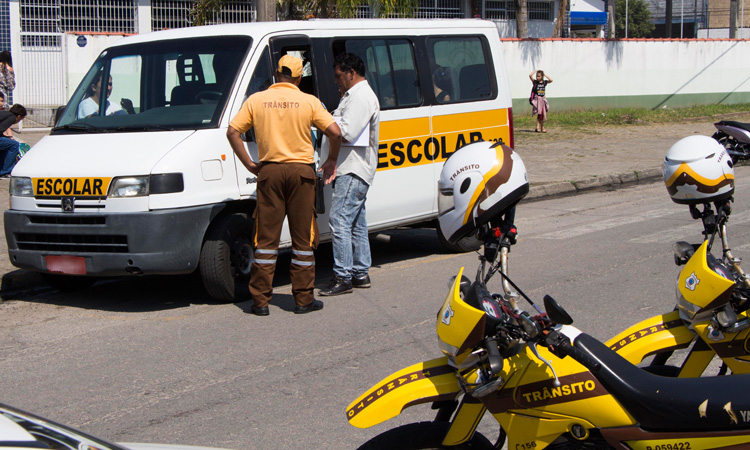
(166, 14)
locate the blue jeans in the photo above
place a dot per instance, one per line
(348, 223)
(8, 154)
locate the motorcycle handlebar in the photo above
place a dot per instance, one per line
(561, 346)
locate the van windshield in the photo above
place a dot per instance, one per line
(160, 85)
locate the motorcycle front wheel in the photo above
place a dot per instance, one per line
(422, 436)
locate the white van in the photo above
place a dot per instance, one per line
(146, 182)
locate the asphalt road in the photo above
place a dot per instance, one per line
(150, 360)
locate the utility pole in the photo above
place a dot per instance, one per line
(265, 11)
(733, 19)
(610, 4)
(668, 19)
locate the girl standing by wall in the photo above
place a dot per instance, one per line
(539, 104)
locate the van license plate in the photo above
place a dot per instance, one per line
(66, 264)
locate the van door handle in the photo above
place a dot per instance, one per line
(251, 180)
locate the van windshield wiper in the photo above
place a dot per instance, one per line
(144, 128)
(81, 127)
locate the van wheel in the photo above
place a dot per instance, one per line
(226, 257)
(68, 283)
(465, 245)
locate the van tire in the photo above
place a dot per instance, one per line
(465, 245)
(226, 257)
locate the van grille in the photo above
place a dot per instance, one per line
(78, 243)
(67, 220)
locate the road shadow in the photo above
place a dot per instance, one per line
(160, 293)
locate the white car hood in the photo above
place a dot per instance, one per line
(98, 155)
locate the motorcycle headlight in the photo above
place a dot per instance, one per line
(21, 187)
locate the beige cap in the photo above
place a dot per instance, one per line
(290, 66)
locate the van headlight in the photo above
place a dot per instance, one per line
(140, 186)
(129, 187)
(21, 187)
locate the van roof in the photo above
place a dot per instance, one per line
(257, 29)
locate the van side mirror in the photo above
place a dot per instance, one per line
(58, 114)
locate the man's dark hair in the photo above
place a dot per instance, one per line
(6, 58)
(18, 110)
(349, 61)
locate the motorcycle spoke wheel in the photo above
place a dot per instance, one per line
(422, 436)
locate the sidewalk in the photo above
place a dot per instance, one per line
(557, 162)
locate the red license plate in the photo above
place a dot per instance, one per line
(66, 264)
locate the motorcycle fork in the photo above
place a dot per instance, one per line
(464, 422)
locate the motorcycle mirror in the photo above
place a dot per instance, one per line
(682, 252)
(556, 312)
(464, 284)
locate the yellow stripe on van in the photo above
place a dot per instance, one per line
(394, 130)
(406, 143)
(469, 121)
(71, 187)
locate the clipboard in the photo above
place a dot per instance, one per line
(363, 140)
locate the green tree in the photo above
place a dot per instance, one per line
(639, 19)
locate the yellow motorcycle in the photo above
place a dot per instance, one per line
(711, 318)
(546, 383)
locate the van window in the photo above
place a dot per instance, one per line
(262, 77)
(462, 68)
(390, 69)
(175, 84)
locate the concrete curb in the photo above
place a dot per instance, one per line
(24, 282)
(539, 192)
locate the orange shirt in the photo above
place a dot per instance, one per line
(282, 116)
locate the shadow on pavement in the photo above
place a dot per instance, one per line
(156, 293)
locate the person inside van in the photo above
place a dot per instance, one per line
(442, 83)
(90, 105)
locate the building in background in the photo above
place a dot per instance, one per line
(588, 18)
(702, 19)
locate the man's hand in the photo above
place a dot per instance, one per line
(329, 171)
(238, 147)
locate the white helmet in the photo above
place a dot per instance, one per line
(698, 170)
(479, 182)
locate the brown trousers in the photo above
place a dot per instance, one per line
(284, 190)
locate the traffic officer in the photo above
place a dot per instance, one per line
(282, 117)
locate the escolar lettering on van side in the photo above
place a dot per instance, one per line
(78, 187)
(415, 152)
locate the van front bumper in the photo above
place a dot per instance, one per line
(153, 242)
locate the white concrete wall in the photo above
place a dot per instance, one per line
(609, 69)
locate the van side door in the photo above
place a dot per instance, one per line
(263, 77)
(404, 189)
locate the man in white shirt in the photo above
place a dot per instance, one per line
(358, 116)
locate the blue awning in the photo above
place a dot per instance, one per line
(588, 18)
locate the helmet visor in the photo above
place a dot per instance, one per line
(445, 201)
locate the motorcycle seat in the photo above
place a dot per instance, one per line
(731, 123)
(670, 404)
